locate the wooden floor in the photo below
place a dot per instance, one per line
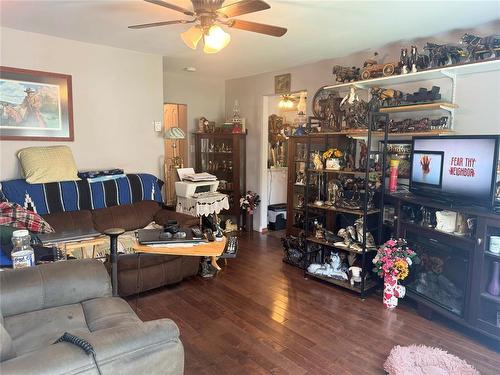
(260, 316)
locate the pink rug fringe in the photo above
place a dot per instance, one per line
(425, 360)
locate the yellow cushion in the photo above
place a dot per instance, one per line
(47, 164)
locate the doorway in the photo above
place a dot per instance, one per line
(280, 119)
(174, 115)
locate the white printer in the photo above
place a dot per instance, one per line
(194, 183)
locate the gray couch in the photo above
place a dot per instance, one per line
(39, 304)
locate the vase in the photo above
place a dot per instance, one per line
(249, 222)
(494, 285)
(392, 291)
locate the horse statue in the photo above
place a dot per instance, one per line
(477, 46)
(404, 61)
(417, 61)
(444, 54)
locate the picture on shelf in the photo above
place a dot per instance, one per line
(400, 150)
(427, 167)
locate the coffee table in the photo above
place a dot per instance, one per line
(209, 249)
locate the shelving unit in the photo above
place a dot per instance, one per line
(333, 216)
(419, 107)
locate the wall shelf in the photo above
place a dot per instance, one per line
(424, 75)
(419, 107)
(344, 210)
(329, 244)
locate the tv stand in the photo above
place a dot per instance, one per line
(464, 262)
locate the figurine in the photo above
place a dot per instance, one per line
(318, 164)
(300, 178)
(230, 226)
(355, 274)
(332, 269)
(370, 241)
(333, 189)
(347, 240)
(423, 95)
(319, 231)
(345, 74)
(202, 125)
(417, 61)
(386, 97)
(444, 54)
(476, 46)
(355, 110)
(371, 68)
(404, 61)
(300, 201)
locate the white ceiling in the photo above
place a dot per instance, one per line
(317, 29)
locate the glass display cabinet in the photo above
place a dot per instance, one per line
(223, 155)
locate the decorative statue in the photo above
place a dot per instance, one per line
(332, 269)
(444, 54)
(317, 162)
(333, 189)
(300, 178)
(319, 231)
(355, 274)
(417, 61)
(345, 74)
(355, 110)
(477, 47)
(370, 241)
(404, 61)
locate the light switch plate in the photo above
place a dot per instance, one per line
(157, 125)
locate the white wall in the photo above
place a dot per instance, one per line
(117, 94)
(204, 97)
(478, 97)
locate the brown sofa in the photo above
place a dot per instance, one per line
(155, 270)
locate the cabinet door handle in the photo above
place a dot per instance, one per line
(479, 241)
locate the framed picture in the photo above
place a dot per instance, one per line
(400, 150)
(283, 84)
(35, 105)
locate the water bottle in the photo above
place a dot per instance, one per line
(22, 254)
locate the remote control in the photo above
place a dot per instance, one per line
(210, 235)
(197, 233)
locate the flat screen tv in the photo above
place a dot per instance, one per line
(461, 169)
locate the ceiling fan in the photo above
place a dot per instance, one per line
(208, 15)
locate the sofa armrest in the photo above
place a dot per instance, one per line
(142, 348)
(51, 285)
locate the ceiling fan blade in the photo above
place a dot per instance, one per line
(155, 24)
(243, 7)
(171, 6)
(257, 27)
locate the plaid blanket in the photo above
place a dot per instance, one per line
(82, 195)
(13, 215)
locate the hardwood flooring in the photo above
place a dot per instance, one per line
(260, 316)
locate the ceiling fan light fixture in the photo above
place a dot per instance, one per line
(192, 36)
(215, 39)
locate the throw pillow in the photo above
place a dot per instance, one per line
(47, 164)
(14, 215)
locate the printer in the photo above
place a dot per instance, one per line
(194, 183)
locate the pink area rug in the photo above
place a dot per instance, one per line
(425, 360)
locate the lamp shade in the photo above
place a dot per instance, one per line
(192, 36)
(215, 40)
(174, 133)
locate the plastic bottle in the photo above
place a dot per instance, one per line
(22, 254)
(393, 179)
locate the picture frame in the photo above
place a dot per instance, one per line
(283, 84)
(35, 105)
(400, 150)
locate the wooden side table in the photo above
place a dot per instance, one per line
(94, 242)
(209, 249)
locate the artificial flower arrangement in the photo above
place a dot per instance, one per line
(392, 262)
(332, 153)
(332, 158)
(249, 202)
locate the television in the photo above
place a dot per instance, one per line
(460, 169)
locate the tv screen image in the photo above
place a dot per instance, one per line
(467, 172)
(427, 167)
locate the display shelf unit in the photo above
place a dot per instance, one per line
(224, 155)
(334, 217)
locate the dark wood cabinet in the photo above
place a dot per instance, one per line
(462, 267)
(224, 155)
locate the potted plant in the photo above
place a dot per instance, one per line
(392, 262)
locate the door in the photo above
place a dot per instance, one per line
(174, 115)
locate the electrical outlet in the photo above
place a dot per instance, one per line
(157, 125)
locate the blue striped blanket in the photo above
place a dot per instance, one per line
(82, 195)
